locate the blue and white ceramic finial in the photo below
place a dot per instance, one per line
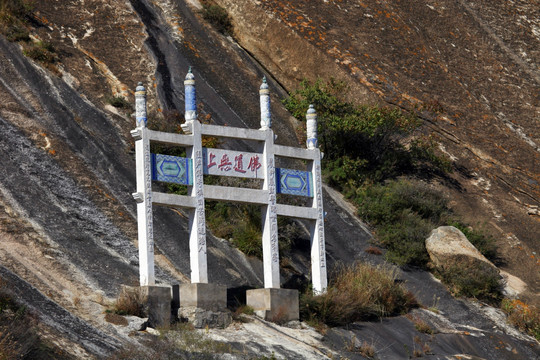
(311, 125)
(190, 97)
(140, 105)
(266, 117)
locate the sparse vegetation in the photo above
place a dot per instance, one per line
(40, 51)
(404, 213)
(119, 102)
(363, 143)
(241, 224)
(357, 292)
(365, 349)
(421, 326)
(129, 302)
(473, 279)
(524, 317)
(14, 14)
(217, 17)
(181, 341)
(364, 151)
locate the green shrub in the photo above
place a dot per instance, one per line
(404, 213)
(405, 239)
(357, 292)
(484, 243)
(119, 102)
(40, 51)
(217, 17)
(362, 143)
(473, 279)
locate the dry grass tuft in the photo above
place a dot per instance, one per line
(357, 292)
(130, 301)
(524, 317)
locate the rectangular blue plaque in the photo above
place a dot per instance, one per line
(172, 169)
(294, 182)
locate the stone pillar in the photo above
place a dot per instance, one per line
(197, 223)
(269, 212)
(264, 94)
(318, 251)
(143, 196)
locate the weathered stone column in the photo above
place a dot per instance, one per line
(269, 212)
(143, 196)
(197, 239)
(318, 251)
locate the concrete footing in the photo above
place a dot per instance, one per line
(277, 305)
(157, 304)
(203, 296)
(204, 305)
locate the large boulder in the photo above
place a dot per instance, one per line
(447, 245)
(462, 267)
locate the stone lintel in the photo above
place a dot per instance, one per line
(277, 305)
(157, 304)
(203, 296)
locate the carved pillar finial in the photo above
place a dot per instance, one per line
(311, 125)
(190, 97)
(266, 118)
(140, 105)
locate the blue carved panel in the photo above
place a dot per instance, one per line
(172, 169)
(294, 182)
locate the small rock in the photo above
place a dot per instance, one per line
(136, 323)
(153, 331)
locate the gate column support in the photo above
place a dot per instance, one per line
(269, 211)
(316, 227)
(197, 223)
(269, 217)
(143, 196)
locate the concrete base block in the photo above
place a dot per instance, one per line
(157, 304)
(277, 305)
(201, 318)
(211, 297)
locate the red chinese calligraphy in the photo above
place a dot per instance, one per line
(225, 163)
(254, 163)
(211, 162)
(239, 164)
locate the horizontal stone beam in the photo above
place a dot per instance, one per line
(170, 138)
(299, 212)
(233, 132)
(295, 153)
(173, 200)
(224, 193)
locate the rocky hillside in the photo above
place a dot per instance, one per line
(67, 219)
(469, 67)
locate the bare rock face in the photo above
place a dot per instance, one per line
(448, 246)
